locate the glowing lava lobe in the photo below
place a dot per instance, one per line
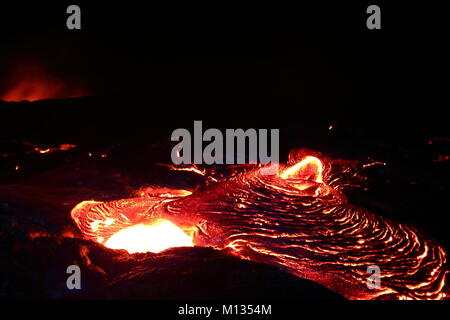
(129, 224)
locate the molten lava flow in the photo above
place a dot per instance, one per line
(297, 220)
(310, 168)
(132, 229)
(149, 238)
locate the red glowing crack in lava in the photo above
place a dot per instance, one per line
(297, 220)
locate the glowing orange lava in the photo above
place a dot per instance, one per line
(132, 228)
(298, 220)
(310, 168)
(157, 237)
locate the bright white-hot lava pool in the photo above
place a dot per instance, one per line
(156, 237)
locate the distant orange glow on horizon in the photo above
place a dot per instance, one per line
(32, 82)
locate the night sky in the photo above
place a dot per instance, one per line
(306, 55)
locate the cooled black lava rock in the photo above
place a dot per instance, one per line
(37, 269)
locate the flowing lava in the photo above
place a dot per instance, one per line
(297, 220)
(133, 232)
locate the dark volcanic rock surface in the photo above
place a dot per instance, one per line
(37, 269)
